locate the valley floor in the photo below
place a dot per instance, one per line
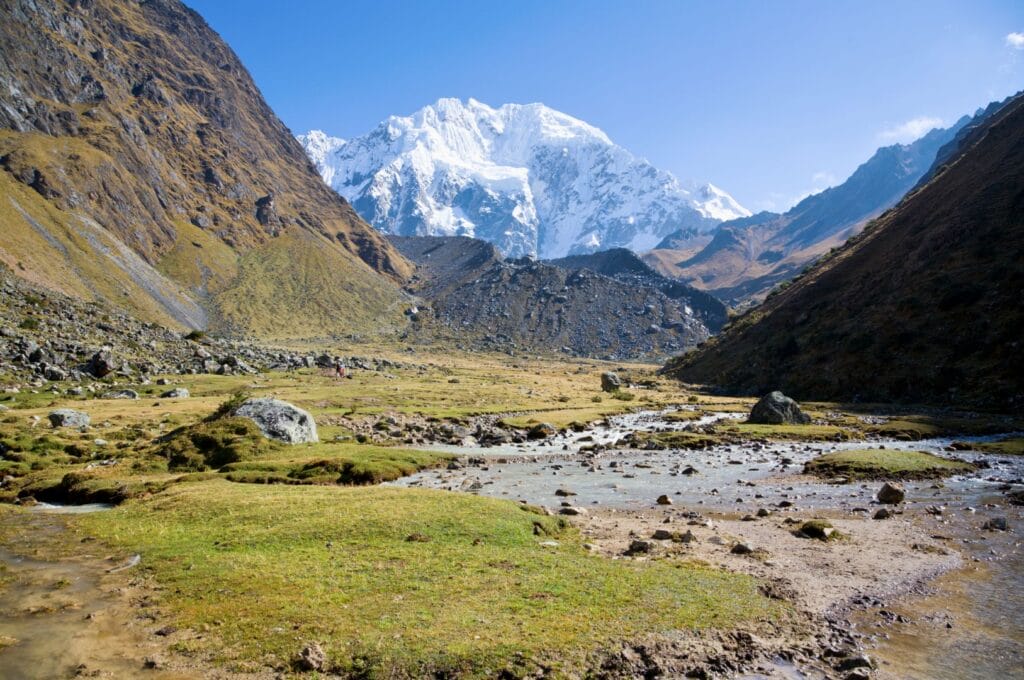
(490, 516)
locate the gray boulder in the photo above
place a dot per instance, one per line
(775, 408)
(120, 394)
(65, 417)
(610, 382)
(280, 420)
(176, 393)
(891, 493)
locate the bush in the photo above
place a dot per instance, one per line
(29, 324)
(212, 445)
(196, 335)
(622, 395)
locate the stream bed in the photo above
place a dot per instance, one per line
(982, 603)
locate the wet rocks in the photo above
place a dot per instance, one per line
(572, 511)
(280, 420)
(995, 524)
(891, 493)
(775, 408)
(882, 513)
(66, 417)
(541, 431)
(610, 381)
(564, 492)
(664, 500)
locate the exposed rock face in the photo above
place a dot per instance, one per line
(478, 300)
(891, 493)
(923, 306)
(280, 420)
(66, 417)
(133, 137)
(610, 381)
(775, 408)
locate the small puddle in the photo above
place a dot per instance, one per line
(67, 618)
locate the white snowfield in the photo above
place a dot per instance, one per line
(525, 177)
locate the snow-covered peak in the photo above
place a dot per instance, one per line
(529, 179)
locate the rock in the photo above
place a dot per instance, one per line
(280, 420)
(662, 535)
(763, 512)
(995, 524)
(640, 548)
(55, 373)
(541, 431)
(176, 393)
(1016, 497)
(664, 500)
(610, 382)
(101, 364)
(741, 549)
(572, 510)
(775, 408)
(858, 674)
(891, 493)
(120, 394)
(882, 513)
(65, 417)
(564, 492)
(688, 537)
(854, 662)
(312, 658)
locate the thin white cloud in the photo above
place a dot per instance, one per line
(910, 130)
(1015, 41)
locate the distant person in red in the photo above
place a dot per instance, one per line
(339, 369)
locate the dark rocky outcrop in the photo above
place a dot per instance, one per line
(475, 299)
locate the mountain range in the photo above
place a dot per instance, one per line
(141, 166)
(745, 258)
(923, 305)
(529, 179)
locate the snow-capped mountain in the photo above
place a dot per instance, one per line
(527, 178)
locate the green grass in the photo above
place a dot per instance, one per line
(784, 432)
(336, 464)
(1006, 447)
(884, 464)
(675, 440)
(265, 569)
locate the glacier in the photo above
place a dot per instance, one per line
(531, 180)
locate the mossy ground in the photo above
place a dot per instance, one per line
(884, 464)
(266, 569)
(1007, 447)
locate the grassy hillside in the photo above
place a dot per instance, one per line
(139, 164)
(923, 306)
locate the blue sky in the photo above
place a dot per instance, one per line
(768, 100)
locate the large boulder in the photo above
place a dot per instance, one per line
(102, 363)
(176, 393)
(610, 382)
(120, 394)
(65, 417)
(775, 408)
(891, 493)
(280, 420)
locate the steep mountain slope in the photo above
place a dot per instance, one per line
(924, 305)
(474, 298)
(139, 164)
(748, 256)
(530, 180)
(626, 266)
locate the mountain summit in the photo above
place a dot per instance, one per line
(527, 178)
